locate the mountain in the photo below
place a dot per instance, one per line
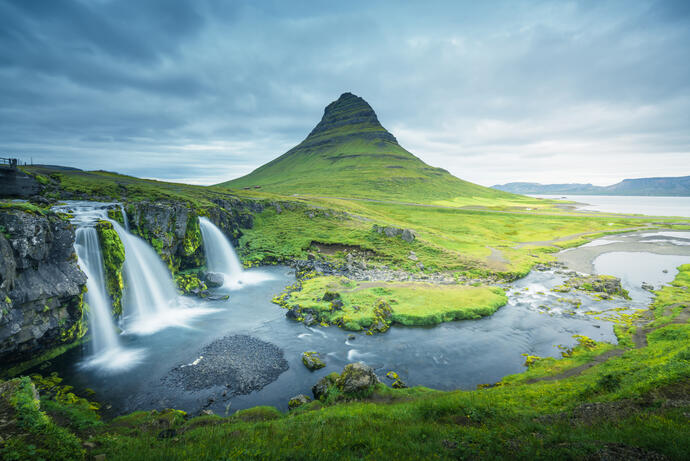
(349, 154)
(678, 186)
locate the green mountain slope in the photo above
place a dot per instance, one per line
(349, 154)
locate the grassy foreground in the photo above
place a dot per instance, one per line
(633, 404)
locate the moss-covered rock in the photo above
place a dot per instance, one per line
(298, 401)
(312, 360)
(357, 379)
(113, 259)
(190, 284)
(603, 285)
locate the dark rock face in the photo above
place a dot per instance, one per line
(41, 285)
(15, 183)
(172, 228)
(349, 116)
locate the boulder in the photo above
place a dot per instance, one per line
(312, 360)
(214, 279)
(324, 385)
(298, 401)
(408, 235)
(357, 378)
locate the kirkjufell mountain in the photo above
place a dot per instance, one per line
(350, 154)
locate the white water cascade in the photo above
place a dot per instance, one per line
(221, 257)
(108, 354)
(150, 302)
(101, 323)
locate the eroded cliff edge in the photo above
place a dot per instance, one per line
(41, 285)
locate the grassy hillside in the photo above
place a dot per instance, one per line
(349, 154)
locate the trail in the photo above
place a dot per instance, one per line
(639, 340)
(578, 235)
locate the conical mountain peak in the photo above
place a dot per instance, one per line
(349, 117)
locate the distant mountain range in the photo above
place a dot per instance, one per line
(679, 186)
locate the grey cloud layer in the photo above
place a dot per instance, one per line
(204, 91)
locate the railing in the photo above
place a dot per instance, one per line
(11, 162)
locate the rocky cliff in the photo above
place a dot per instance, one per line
(41, 285)
(172, 228)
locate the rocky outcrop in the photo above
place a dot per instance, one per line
(356, 381)
(16, 183)
(312, 360)
(172, 228)
(41, 285)
(407, 235)
(603, 286)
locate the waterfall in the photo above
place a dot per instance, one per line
(149, 291)
(101, 322)
(124, 217)
(150, 302)
(221, 257)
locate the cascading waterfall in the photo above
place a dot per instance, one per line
(221, 257)
(101, 323)
(124, 217)
(150, 301)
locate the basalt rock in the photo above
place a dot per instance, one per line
(214, 279)
(41, 285)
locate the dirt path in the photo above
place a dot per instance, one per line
(639, 340)
(580, 234)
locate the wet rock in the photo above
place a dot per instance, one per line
(357, 378)
(241, 363)
(351, 337)
(312, 360)
(324, 385)
(214, 279)
(293, 313)
(298, 401)
(309, 320)
(647, 286)
(604, 284)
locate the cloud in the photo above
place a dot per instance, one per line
(203, 91)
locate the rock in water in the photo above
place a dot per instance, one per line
(312, 360)
(214, 279)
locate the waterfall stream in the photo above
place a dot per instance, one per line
(221, 258)
(101, 323)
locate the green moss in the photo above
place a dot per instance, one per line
(113, 252)
(38, 436)
(376, 305)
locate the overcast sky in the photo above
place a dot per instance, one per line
(206, 91)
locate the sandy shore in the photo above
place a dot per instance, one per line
(581, 258)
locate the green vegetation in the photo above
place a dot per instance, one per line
(113, 252)
(375, 305)
(634, 402)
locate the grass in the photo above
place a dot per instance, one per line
(410, 303)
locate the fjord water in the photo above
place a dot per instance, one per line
(646, 205)
(221, 258)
